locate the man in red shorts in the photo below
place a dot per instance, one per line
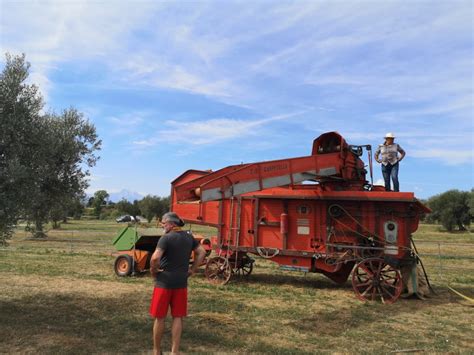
(169, 266)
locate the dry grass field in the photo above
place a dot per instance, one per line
(61, 295)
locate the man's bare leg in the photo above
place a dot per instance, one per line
(176, 330)
(158, 329)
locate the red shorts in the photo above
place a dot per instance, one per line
(163, 298)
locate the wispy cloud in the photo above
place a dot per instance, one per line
(190, 48)
(205, 132)
(127, 123)
(447, 156)
(61, 31)
(149, 70)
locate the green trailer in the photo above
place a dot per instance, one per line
(135, 247)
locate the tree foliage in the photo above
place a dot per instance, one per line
(126, 207)
(149, 206)
(68, 142)
(20, 107)
(453, 209)
(68, 208)
(99, 200)
(43, 157)
(153, 206)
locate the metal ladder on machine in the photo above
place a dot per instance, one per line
(233, 233)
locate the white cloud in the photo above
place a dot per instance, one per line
(127, 124)
(209, 131)
(448, 157)
(59, 31)
(192, 48)
(126, 121)
(148, 68)
(145, 142)
(39, 77)
(206, 132)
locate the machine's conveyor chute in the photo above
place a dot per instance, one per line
(331, 160)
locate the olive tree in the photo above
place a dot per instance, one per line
(126, 207)
(44, 158)
(153, 206)
(451, 209)
(20, 114)
(99, 201)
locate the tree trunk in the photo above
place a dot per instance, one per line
(38, 230)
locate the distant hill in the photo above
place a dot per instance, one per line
(125, 194)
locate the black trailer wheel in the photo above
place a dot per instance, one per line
(245, 270)
(123, 265)
(244, 266)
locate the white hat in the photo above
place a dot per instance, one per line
(389, 135)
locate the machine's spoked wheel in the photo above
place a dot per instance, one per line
(244, 270)
(218, 270)
(373, 280)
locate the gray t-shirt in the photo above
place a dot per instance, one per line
(177, 247)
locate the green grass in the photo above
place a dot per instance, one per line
(60, 295)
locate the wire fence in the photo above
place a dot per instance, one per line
(448, 263)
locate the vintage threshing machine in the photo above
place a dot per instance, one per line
(316, 213)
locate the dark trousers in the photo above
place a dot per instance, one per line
(391, 171)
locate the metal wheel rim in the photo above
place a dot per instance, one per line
(374, 280)
(122, 265)
(218, 271)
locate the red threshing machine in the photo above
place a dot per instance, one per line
(316, 213)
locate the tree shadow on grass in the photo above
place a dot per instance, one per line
(78, 324)
(51, 323)
(58, 323)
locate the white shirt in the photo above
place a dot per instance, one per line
(389, 153)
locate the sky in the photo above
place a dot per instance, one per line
(179, 85)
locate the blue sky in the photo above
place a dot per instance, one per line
(172, 86)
